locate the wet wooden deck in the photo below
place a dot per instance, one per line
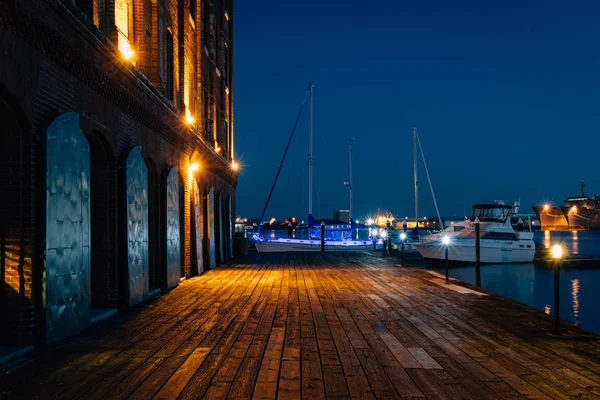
(318, 326)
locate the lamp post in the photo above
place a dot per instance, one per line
(322, 235)
(446, 242)
(369, 224)
(557, 254)
(402, 239)
(477, 252)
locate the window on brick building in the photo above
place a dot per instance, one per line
(170, 67)
(161, 52)
(205, 23)
(148, 55)
(225, 63)
(193, 9)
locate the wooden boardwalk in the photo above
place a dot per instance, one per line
(318, 326)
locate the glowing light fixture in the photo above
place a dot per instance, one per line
(125, 48)
(446, 240)
(234, 166)
(403, 236)
(574, 209)
(557, 251)
(194, 167)
(217, 148)
(383, 234)
(188, 117)
(370, 221)
(546, 207)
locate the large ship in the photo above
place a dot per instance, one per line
(579, 212)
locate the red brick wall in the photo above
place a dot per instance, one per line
(52, 60)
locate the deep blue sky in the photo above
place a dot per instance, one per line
(505, 96)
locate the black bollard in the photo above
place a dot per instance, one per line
(446, 264)
(477, 252)
(556, 296)
(322, 235)
(402, 253)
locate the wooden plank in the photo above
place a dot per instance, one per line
(182, 376)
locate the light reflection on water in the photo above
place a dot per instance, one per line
(533, 284)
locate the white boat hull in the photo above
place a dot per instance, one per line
(491, 251)
(287, 245)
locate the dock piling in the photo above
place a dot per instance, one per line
(477, 252)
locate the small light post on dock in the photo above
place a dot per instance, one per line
(557, 254)
(402, 239)
(322, 235)
(477, 252)
(446, 242)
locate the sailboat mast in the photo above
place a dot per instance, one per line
(351, 185)
(310, 149)
(415, 177)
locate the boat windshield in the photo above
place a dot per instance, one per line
(490, 212)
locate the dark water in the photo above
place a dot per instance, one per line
(533, 285)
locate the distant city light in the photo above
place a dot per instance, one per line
(446, 240)
(370, 221)
(403, 236)
(383, 234)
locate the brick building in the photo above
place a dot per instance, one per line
(118, 175)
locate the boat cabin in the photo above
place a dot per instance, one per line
(491, 212)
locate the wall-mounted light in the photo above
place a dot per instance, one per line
(217, 148)
(125, 48)
(188, 117)
(194, 167)
(234, 166)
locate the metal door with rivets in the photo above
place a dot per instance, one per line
(197, 227)
(137, 226)
(66, 280)
(173, 229)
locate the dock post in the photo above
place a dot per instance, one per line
(477, 253)
(557, 254)
(322, 235)
(446, 265)
(446, 242)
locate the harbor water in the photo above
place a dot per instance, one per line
(533, 284)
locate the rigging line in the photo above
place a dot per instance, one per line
(430, 185)
(260, 221)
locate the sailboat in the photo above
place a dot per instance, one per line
(338, 236)
(415, 234)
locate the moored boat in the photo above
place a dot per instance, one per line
(500, 241)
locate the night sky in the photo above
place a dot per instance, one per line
(505, 96)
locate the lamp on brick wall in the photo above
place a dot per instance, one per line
(188, 117)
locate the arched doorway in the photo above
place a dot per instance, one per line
(221, 227)
(12, 249)
(196, 230)
(208, 226)
(136, 281)
(155, 275)
(67, 251)
(103, 185)
(173, 228)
